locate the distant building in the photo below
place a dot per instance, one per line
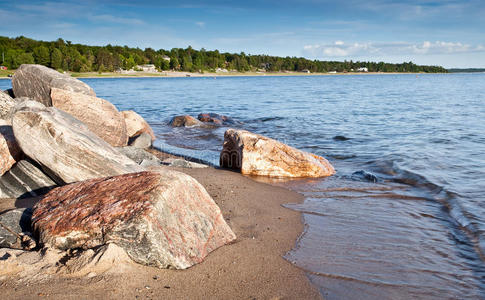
(363, 69)
(166, 58)
(147, 68)
(333, 72)
(305, 71)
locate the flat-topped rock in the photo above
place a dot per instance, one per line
(136, 125)
(36, 82)
(64, 146)
(6, 104)
(254, 154)
(164, 219)
(10, 151)
(101, 117)
(185, 121)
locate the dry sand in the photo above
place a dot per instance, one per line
(250, 268)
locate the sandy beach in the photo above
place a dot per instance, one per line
(250, 268)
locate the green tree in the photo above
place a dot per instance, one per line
(56, 59)
(41, 55)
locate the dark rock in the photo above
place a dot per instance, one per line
(15, 229)
(141, 141)
(340, 138)
(215, 118)
(25, 179)
(184, 121)
(164, 219)
(364, 175)
(10, 93)
(36, 82)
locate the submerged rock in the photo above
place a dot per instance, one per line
(10, 151)
(184, 121)
(255, 154)
(36, 82)
(6, 104)
(101, 117)
(340, 138)
(215, 118)
(364, 175)
(25, 179)
(164, 219)
(15, 229)
(65, 147)
(136, 125)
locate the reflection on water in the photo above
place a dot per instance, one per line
(416, 230)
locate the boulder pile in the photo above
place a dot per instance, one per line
(94, 183)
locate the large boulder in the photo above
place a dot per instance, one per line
(255, 154)
(10, 151)
(15, 229)
(6, 104)
(184, 121)
(136, 125)
(99, 115)
(36, 82)
(25, 179)
(164, 219)
(65, 147)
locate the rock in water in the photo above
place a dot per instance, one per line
(184, 121)
(255, 154)
(66, 147)
(215, 118)
(6, 104)
(164, 219)
(13, 225)
(9, 149)
(364, 175)
(25, 179)
(136, 125)
(101, 117)
(36, 82)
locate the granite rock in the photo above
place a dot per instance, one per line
(10, 151)
(15, 229)
(136, 125)
(6, 104)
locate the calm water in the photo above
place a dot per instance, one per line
(418, 231)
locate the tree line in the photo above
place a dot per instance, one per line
(66, 56)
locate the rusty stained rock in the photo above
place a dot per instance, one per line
(101, 117)
(164, 219)
(66, 147)
(36, 81)
(255, 154)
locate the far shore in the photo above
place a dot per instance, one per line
(171, 74)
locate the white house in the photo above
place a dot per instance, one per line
(363, 69)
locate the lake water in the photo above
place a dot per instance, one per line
(415, 230)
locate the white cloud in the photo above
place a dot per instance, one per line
(200, 24)
(116, 19)
(341, 49)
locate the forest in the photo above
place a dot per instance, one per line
(66, 56)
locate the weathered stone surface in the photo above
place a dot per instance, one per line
(215, 118)
(182, 163)
(255, 154)
(185, 121)
(139, 155)
(65, 147)
(10, 151)
(101, 117)
(36, 82)
(14, 226)
(6, 104)
(136, 125)
(25, 179)
(164, 219)
(141, 141)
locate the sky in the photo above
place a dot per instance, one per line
(450, 33)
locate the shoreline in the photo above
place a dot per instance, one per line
(251, 267)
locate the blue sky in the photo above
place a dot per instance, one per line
(450, 33)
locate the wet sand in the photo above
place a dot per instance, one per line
(250, 268)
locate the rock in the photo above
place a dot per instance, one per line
(101, 117)
(182, 163)
(255, 154)
(136, 125)
(6, 104)
(340, 138)
(10, 151)
(216, 119)
(15, 229)
(364, 175)
(10, 93)
(141, 141)
(65, 147)
(139, 155)
(36, 82)
(25, 179)
(184, 121)
(164, 219)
